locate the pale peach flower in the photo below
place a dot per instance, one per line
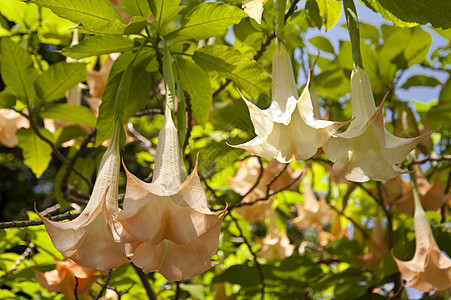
(366, 150)
(430, 269)
(400, 194)
(287, 130)
(247, 175)
(167, 222)
(336, 232)
(62, 278)
(276, 244)
(377, 249)
(312, 213)
(10, 122)
(88, 239)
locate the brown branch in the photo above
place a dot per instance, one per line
(145, 282)
(239, 204)
(426, 159)
(76, 288)
(149, 111)
(104, 285)
(74, 158)
(258, 178)
(257, 264)
(58, 154)
(268, 186)
(27, 223)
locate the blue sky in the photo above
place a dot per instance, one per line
(423, 94)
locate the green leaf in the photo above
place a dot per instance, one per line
(195, 290)
(98, 45)
(420, 80)
(59, 78)
(69, 112)
(164, 11)
(67, 133)
(368, 32)
(197, 83)
(90, 13)
(229, 62)
(17, 71)
(445, 93)
(413, 12)
(136, 7)
(7, 100)
(407, 47)
(117, 27)
(137, 96)
(26, 15)
(37, 153)
(206, 20)
(322, 43)
(330, 11)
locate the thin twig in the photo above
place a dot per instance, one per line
(426, 159)
(258, 178)
(58, 154)
(104, 285)
(149, 111)
(239, 204)
(177, 290)
(19, 224)
(268, 186)
(76, 288)
(74, 158)
(257, 264)
(145, 282)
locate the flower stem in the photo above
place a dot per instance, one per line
(280, 18)
(353, 27)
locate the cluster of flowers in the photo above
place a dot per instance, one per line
(291, 129)
(165, 226)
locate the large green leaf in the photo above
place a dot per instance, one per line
(206, 20)
(322, 43)
(136, 7)
(229, 62)
(23, 14)
(407, 47)
(163, 11)
(330, 11)
(413, 12)
(37, 153)
(90, 13)
(197, 83)
(137, 95)
(420, 80)
(117, 27)
(98, 45)
(70, 113)
(59, 78)
(17, 70)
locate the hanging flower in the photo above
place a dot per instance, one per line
(276, 244)
(62, 278)
(399, 192)
(377, 249)
(336, 232)
(88, 239)
(312, 213)
(10, 122)
(167, 222)
(248, 174)
(287, 130)
(366, 150)
(430, 269)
